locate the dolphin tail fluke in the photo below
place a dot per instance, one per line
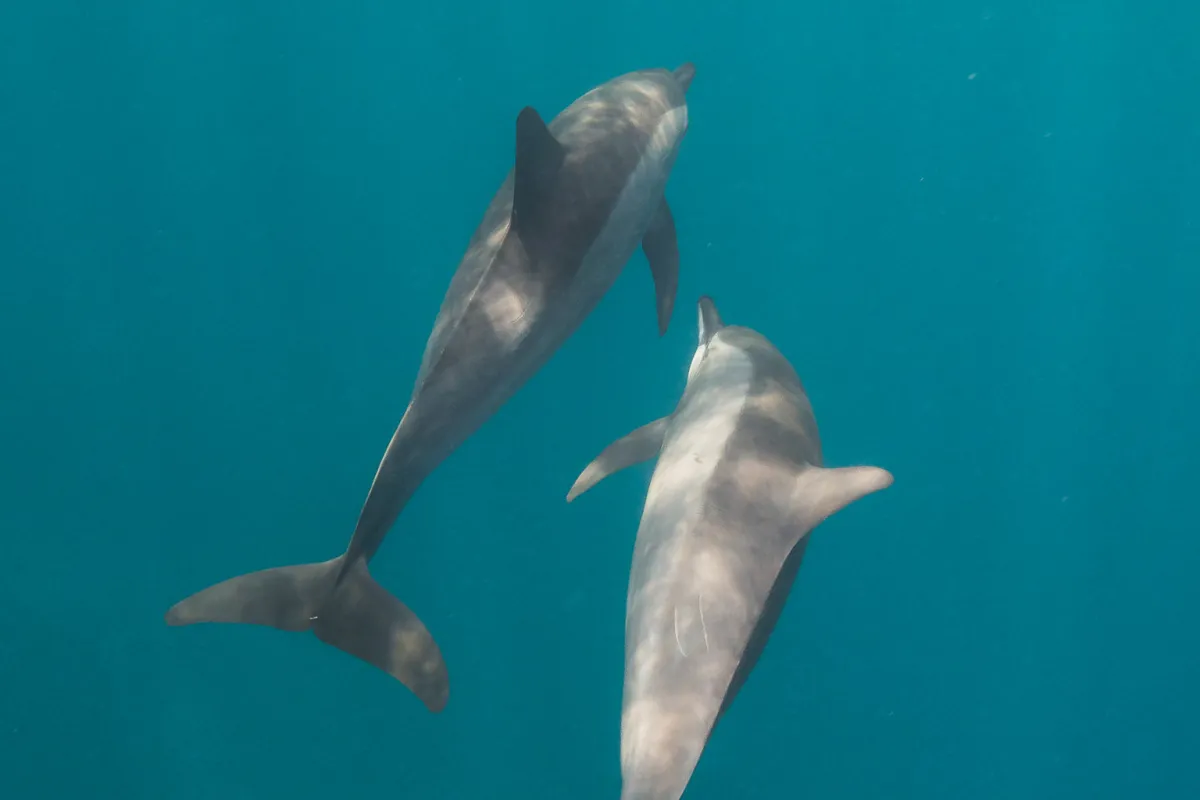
(359, 617)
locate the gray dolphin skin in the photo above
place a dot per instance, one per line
(738, 485)
(583, 194)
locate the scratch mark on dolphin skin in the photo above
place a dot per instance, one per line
(678, 643)
(703, 626)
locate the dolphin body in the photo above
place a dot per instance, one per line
(585, 191)
(738, 485)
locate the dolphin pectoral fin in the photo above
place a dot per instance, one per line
(662, 251)
(634, 448)
(539, 158)
(684, 74)
(821, 492)
(359, 617)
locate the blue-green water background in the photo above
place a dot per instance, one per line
(226, 227)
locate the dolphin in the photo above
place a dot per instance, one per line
(738, 485)
(583, 193)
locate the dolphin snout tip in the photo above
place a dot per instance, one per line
(684, 74)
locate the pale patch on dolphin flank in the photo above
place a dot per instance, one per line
(508, 311)
(481, 255)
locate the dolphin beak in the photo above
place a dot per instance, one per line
(710, 319)
(684, 75)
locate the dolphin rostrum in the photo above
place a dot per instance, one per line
(584, 192)
(738, 486)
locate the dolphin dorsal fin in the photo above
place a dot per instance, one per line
(539, 157)
(641, 445)
(821, 492)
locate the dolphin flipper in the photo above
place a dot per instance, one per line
(823, 491)
(359, 618)
(641, 445)
(662, 251)
(684, 74)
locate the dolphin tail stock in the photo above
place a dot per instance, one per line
(355, 615)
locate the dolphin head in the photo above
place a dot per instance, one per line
(709, 324)
(651, 107)
(647, 94)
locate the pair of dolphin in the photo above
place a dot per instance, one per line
(583, 193)
(739, 481)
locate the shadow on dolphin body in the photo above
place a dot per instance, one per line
(584, 193)
(739, 484)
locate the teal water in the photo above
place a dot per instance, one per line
(974, 228)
